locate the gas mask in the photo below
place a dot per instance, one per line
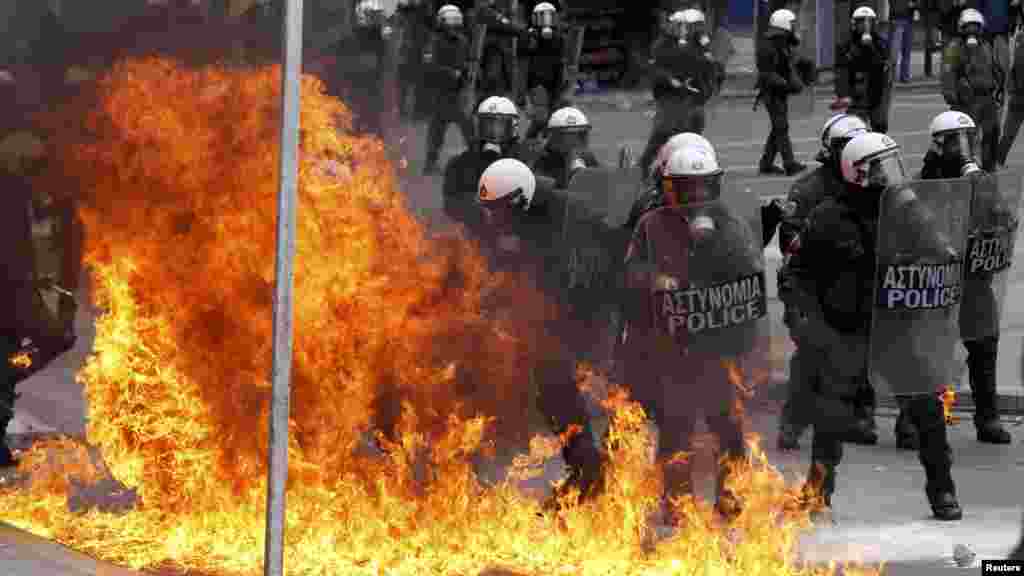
(704, 40)
(547, 32)
(492, 148)
(693, 195)
(702, 226)
(864, 28)
(957, 148)
(971, 41)
(971, 33)
(386, 31)
(969, 167)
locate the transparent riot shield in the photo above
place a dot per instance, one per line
(991, 238)
(921, 237)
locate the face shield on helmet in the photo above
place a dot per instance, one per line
(449, 17)
(369, 14)
(497, 122)
(568, 130)
(959, 145)
(883, 171)
(691, 177)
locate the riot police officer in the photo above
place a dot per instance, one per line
(682, 83)
(568, 146)
(692, 241)
(448, 75)
(807, 193)
(862, 71)
(973, 80)
(363, 60)
(832, 269)
(777, 80)
(652, 197)
(498, 68)
(953, 154)
(544, 51)
(416, 20)
(1015, 108)
(497, 136)
(518, 229)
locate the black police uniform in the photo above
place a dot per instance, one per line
(978, 305)
(678, 109)
(447, 79)
(807, 193)
(417, 23)
(972, 83)
(363, 59)
(777, 80)
(546, 83)
(498, 67)
(832, 267)
(1015, 109)
(862, 75)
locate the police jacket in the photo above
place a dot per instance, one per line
(1016, 80)
(862, 72)
(649, 200)
(462, 175)
(417, 23)
(501, 29)
(831, 267)
(673, 61)
(971, 75)
(545, 59)
(810, 190)
(363, 58)
(776, 77)
(555, 165)
(448, 70)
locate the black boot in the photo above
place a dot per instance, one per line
(906, 433)
(935, 456)
(981, 366)
(820, 485)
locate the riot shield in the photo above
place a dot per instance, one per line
(921, 237)
(991, 237)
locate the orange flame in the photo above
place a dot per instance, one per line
(21, 360)
(177, 171)
(948, 396)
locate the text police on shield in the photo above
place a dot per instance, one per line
(920, 286)
(697, 309)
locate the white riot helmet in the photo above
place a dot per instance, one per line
(971, 24)
(837, 132)
(544, 18)
(873, 160)
(369, 13)
(568, 129)
(862, 22)
(682, 140)
(497, 122)
(954, 137)
(692, 177)
(449, 16)
(782, 19)
(507, 186)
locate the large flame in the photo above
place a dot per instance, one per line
(177, 172)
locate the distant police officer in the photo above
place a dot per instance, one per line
(498, 68)
(363, 60)
(518, 229)
(862, 70)
(568, 146)
(416, 20)
(497, 136)
(544, 50)
(973, 80)
(682, 83)
(832, 266)
(807, 193)
(777, 80)
(447, 80)
(954, 155)
(675, 370)
(1015, 84)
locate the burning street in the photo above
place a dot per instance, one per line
(176, 170)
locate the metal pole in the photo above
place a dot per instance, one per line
(277, 475)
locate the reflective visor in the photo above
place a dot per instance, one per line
(495, 128)
(691, 190)
(959, 144)
(885, 171)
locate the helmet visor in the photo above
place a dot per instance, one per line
(959, 144)
(691, 190)
(544, 19)
(496, 129)
(451, 19)
(863, 25)
(562, 139)
(885, 171)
